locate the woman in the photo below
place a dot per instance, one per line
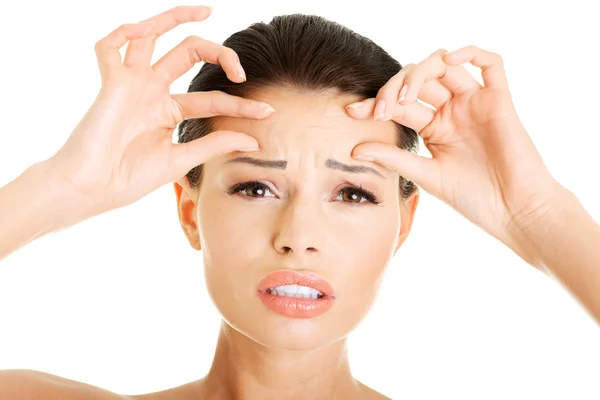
(304, 273)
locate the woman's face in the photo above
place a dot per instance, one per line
(297, 218)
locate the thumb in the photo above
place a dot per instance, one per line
(185, 156)
(421, 170)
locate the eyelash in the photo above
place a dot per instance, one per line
(370, 197)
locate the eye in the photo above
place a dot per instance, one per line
(249, 189)
(349, 194)
(353, 193)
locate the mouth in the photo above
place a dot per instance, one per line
(296, 291)
(296, 284)
(295, 294)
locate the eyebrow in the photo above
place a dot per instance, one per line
(329, 163)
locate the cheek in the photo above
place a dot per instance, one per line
(228, 241)
(232, 244)
(363, 265)
(370, 245)
(370, 255)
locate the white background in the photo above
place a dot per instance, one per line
(119, 301)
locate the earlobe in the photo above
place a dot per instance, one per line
(186, 208)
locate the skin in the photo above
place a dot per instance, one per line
(122, 150)
(243, 238)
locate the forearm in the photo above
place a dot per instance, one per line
(567, 247)
(31, 206)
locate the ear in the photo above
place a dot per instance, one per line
(408, 209)
(186, 206)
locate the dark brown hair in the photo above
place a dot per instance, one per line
(305, 52)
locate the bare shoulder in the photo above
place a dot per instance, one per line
(27, 384)
(195, 390)
(192, 390)
(370, 394)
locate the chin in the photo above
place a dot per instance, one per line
(284, 333)
(297, 334)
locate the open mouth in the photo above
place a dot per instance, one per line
(295, 294)
(296, 291)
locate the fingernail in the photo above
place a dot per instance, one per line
(241, 72)
(266, 107)
(402, 93)
(250, 149)
(379, 109)
(211, 8)
(356, 105)
(363, 157)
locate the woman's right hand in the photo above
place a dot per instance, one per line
(123, 147)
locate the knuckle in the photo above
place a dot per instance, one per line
(215, 93)
(229, 53)
(192, 44)
(177, 14)
(212, 105)
(438, 53)
(192, 40)
(413, 76)
(98, 46)
(240, 106)
(405, 71)
(177, 10)
(215, 99)
(178, 110)
(387, 91)
(194, 56)
(101, 45)
(398, 76)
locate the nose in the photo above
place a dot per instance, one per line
(300, 230)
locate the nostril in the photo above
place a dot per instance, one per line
(286, 249)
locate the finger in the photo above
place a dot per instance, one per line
(421, 170)
(455, 78)
(432, 92)
(491, 64)
(107, 49)
(139, 51)
(415, 115)
(387, 95)
(193, 50)
(215, 102)
(185, 156)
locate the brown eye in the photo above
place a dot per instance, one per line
(351, 194)
(250, 189)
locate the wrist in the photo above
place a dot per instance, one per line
(532, 229)
(63, 206)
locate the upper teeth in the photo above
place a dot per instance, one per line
(297, 291)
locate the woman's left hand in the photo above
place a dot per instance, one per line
(484, 164)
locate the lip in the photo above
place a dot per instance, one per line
(296, 307)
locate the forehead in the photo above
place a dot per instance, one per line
(309, 120)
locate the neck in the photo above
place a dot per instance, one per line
(245, 369)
